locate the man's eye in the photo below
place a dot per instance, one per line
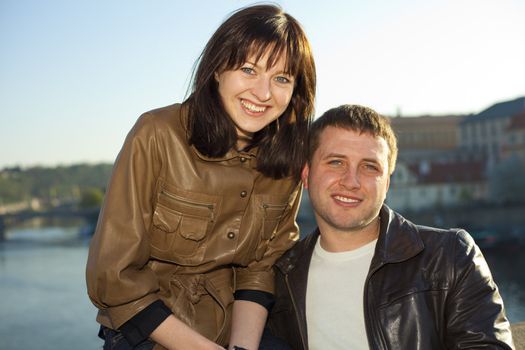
(371, 167)
(335, 162)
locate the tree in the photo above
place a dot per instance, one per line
(91, 198)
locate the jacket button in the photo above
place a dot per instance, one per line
(243, 159)
(244, 194)
(231, 235)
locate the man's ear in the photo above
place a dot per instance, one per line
(304, 175)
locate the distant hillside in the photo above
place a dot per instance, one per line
(51, 184)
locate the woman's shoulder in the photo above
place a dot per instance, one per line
(169, 114)
(167, 118)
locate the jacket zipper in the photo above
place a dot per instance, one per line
(297, 318)
(276, 207)
(210, 207)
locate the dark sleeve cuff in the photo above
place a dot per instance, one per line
(139, 327)
(264, 299)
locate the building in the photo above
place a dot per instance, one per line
(450, 160)
(513, 142)
(427, 137)
(426, 185)
(483, 135)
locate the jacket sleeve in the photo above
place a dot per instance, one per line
(476, 316)
(259, 275)
(119, 281)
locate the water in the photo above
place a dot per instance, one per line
(44, 305)
(43, 298)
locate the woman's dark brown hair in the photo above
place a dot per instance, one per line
(255, 30)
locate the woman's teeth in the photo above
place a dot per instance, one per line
(252, 107)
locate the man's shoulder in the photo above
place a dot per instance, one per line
(303, 248)
(426, 232)
(450, 235)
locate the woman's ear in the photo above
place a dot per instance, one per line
(216, 76)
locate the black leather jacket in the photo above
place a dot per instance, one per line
(426, 289)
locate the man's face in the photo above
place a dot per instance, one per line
(347, 179)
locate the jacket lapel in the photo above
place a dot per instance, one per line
(295, 269)
(398, 239)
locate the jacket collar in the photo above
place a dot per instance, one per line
(231, 154)
(299, 254)
(398, 240)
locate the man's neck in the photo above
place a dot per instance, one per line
(335, 240)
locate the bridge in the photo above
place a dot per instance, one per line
(12, 219)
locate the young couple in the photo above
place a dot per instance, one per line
(201, 206)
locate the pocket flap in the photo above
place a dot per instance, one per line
(193, 228)
(166, 220)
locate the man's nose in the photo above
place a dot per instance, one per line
(350, 179)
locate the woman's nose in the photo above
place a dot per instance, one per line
(262, 89)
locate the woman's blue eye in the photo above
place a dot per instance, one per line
(247, 70)
(283, 80)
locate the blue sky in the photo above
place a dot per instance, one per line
(75, 75)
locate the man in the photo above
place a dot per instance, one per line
(367, 277)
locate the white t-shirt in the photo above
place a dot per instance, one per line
(334, 298)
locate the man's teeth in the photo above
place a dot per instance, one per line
(346, 199)
(252, 107)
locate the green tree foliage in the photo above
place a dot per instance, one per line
(14, 186)
(91, 198)
(62, 183)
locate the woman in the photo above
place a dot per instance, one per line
(204, 195)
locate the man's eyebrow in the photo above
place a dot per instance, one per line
(334, 155)
(372, 160)
(342, 156)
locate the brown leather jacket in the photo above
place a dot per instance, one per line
(186, 229)
(426, 289)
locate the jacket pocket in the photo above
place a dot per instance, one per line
(414, 320)
(181, 222)
(271, 210)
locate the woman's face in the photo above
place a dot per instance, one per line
(254, 95)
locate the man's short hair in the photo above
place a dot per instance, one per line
(357, 118)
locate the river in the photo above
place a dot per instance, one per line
(43, 298)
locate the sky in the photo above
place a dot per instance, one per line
(75, 75)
